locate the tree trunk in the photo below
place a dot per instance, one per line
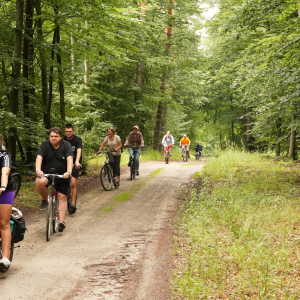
(16, 74)
(278, 136)
(292, 148)
(87, 70)
(43, 60)
(140, 64)
(60, 73)
(73, 59)
(51, 71)
(161, 122)
(28, 74)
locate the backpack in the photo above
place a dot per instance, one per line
(19, 230)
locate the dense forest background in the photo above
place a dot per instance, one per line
(231, 80)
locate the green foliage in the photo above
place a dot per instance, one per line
(237, 237)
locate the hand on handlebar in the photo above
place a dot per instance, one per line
(77, 166)
(67, 175)
(40, 174)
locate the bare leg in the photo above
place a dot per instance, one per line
(5, 212)
(41, 188)
(62, 206)
(73, 185)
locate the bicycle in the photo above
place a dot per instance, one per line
(52, 209)
(167, 155)
(198, 155)
(184, 156)
(17, 182)
(106, 173)
(132, 161)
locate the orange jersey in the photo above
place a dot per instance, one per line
(185, 141)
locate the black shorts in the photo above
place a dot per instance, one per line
(61, 185)
(75, 173)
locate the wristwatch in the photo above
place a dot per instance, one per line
(37, 171)
(2, 187)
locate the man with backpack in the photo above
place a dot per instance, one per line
(135, 139)
(167, 141)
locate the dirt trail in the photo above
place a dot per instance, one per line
(122, 253)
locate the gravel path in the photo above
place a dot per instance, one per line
(109, 250)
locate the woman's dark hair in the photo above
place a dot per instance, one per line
(111, 129)
(55, 130)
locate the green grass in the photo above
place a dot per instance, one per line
(238, 237)
(122, 197)
(156, 172)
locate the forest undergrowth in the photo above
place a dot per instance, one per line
(238, 236)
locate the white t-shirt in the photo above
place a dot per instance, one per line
(113, 144)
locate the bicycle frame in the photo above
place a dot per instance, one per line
(132, 161)
(52, 210)
(107, 165)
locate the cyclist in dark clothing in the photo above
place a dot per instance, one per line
(58, 154)
(6, 203)
(76, 144)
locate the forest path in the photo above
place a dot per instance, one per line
(110, 249)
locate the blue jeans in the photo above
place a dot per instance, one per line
(137, 153)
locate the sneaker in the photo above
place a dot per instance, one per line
(72, 209)
(117, 184)
(61, 226)
(137, 173)
(4, 264)
(44, 205)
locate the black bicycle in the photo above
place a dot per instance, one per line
(198, 155)
(167, 155)
(52, 210)
(106, 173)
(17, 182)
(132, 161)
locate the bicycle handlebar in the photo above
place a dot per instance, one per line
(107, 151)
(54, 175)
(133, 147)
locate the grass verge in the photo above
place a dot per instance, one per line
(238, 236)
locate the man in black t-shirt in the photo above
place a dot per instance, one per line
(58, 154)
(76, 144)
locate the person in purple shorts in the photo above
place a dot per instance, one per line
(6, 203)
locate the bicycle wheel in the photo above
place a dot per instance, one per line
(11, 254)
(17, 183)
(49, 217)
(106, 178)
(167, 157)
(132, 170)
(55, 216)
(184, 155)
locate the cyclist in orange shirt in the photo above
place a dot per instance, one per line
(185, 141)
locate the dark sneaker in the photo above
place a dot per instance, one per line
(44, 205)
(128, 164)
(4, 264)
(137, 173)
(117, 184)
(71, 209)
(61, 226)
